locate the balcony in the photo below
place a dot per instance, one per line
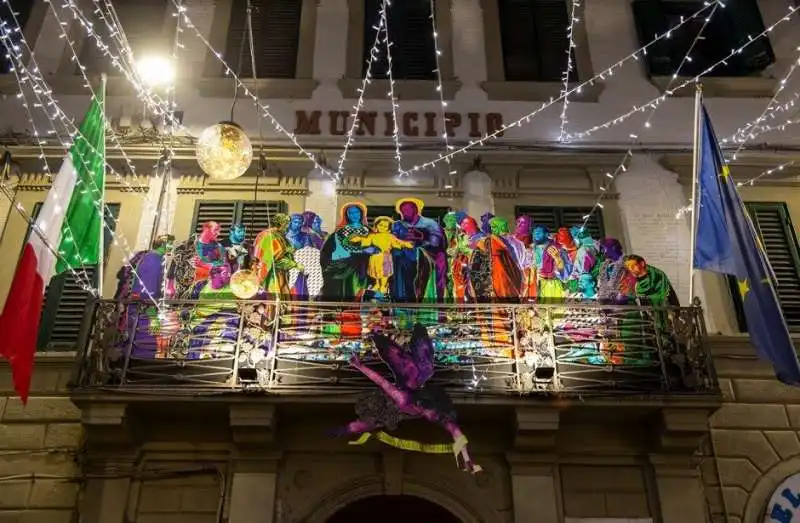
(267, 347)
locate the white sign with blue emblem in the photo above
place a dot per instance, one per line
(784, 505)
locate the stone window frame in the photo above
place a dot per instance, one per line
(300, 87)
(498, 89)
(404, 89)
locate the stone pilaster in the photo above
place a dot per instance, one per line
(253, 426)
(330, 47)
(680, 431)
(106, 499)
(478, 197)
(253, 488)
(108, 425)
(680, 489)
(321, 198)
(469, 55)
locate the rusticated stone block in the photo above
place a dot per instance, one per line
(584, 505)
(47, 493)
(743, 368)
(737, 472)
(63, 435)
(200, 499)
(582, 478)
(745, 444)
(738, 415)
(765, 391)
(47, 516)
(157, 498)
(621, 505)
(726, 389)
(37, 464)
(21, 436)
(793, 412)
(714, 499)
(14, 494)
(785, 442)
(41, 409)
(176, 518)
(735, 500)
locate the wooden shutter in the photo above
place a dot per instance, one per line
(556, 217)
(65, 300)
(652, 21)
(222, 212)
(742, 20)
(776, 231)
(535, 40)
(257, 216)
(551, 18)
(411, 32)
(276, 35)
(434, 213)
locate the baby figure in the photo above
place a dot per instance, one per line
(380, 266)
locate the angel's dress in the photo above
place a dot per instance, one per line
(378, 409)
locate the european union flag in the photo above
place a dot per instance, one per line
(727, 243)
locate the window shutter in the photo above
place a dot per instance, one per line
(520, 60)
(373, 211)
(741, 20)
(257, 216)
(552, 39)
(222, 212)
(411, 32)
(276, 34)
(65, 300)
(547, 216)
(143, 22)
(556, 217)
(651, 21)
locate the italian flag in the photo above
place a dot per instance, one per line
(70, 222)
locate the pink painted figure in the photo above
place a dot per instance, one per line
(410, 397)
(524, 230)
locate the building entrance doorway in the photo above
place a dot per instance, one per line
(393, 509)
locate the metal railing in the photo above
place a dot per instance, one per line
(492, 348)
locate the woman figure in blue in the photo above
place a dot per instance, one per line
(344, 262)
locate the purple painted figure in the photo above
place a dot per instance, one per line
(524, 230)
(410, 397)
(485, 219)
(612, 273)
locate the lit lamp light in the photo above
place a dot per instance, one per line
(224, 151)
(155, 71)
(244, 284)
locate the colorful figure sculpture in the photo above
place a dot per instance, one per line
(523, 230)
(295, 234)
(584, 263)
(652, 285)
(486, 217)
(312, 226)
(477, 267)
(568, 249)
(614, 283)
(274, 255)
(210, 252)
(427, 235)
(410, 397)
(505, 253)
(238, 251)
(549, 264)
(344, 262)
(380, 267)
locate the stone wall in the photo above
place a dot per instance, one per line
(38, 446)
(754, 436)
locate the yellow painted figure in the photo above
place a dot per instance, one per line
(380, 264)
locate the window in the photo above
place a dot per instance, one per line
(776, 231)
(65, 300)
(21, 9)
(556, 217)
(276, 36)
(535, 40)
(728, 29)
(411, 33)
(147, 27)
(254, 215)
(435, 213)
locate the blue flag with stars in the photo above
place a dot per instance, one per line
(727, 243)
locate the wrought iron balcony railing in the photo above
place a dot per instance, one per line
(501, 348)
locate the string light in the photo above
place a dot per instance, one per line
(365, 82)
(440, 90)
(527, 118)
(568, 71)
(660, 99)
(750, 130)
(633, 137)
(392, 98)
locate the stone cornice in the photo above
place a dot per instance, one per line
(749, 164)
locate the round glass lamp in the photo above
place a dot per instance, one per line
(224, 151)
(244, 284)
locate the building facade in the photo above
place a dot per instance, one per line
(553, 449)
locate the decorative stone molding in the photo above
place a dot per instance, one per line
(253, 426)
(349, 192)
(505, 195)
(719, 87)
(681, 431)
(536, 428)
(749, 164)
(108, 425)
(450, 194)
(295, 192)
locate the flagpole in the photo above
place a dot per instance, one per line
(101, 246)
(698, 104)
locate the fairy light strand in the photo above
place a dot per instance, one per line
(440, 90)
(612, 176)
(392, 98)
(609, 71)
(573, 19)
(366, 81)
(668, 93)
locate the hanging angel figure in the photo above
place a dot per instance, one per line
(409, 397)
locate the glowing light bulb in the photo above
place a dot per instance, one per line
(156, 71)
(224, 151)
